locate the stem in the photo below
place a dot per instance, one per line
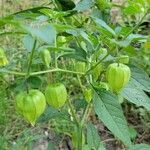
(79, 131)
(135, 27)
(56, 65)
(56, 70)
(93, 67)
(73, 113)
(86, 114)
(78, 125)
(30, 60)
(29, 66)
(80, 83)
(13, 72)
(41, 72)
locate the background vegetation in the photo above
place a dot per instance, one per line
(128, 20)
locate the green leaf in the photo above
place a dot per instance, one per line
(84, 5)
(85, 36)
(129, 39)
(140, 147)
(65, 4)
(132, 9)
(45, 33)
(104, 25)
(51, 113)
(28, 42)
(54, 14)
(51, 146)
(133, 132)
(93, 138)
(34, 82)
(108, 109)
(140, 79)
(135, 95)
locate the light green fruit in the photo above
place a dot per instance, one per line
(147, 47)
(61, 39)
(3, 59)
(46, 57)
(118, 75)
(80, 66)
(100, 53)
(31, 105)
(56, 95)
(88, 94)
(97, 71)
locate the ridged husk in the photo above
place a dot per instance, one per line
(31, 105)
(97, 71)
(88, 94)
(46, 57)
(80, 66)
(3, 59)
(118, 75)
(56, 95)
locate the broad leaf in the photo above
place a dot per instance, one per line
(51, 113)
(28, 42)
(108, 109)
(140, 147)
(45, 33)
(104, 25)
(140, 79)
(54, 14)
(129, 39)
(135, 95)
(84, 5)
(93, 138)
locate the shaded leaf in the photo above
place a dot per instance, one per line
(135, 95)
(84, 5)
(28, 42)
(104, 25)
(45, 33)
(108, 109)
(140, 79)
(93, 138)
(140, 147)
(51, 113)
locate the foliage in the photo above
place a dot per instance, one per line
(81, 41)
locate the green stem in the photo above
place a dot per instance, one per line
(93, 67)
(41, 72)
(30, 60)
(73, 113)
(135, 27)
(13, 72)
(80, 83)
(86, 114)
(56, 65)
(78, 125)
(79, 141)
(29, 67)
(56, 70)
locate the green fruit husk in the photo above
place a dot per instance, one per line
(3, 59)
(80, 66)
(56, 95)
(46, 57)
(88, 93)
(97, 71)
(118, 75)
(31, 105)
